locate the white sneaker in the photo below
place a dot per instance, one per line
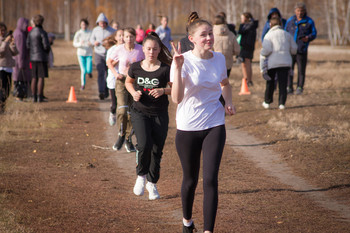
(112, 119)
(281, 107)
(266, 105)
(153, 192)
(139, 187)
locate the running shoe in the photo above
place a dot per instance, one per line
(189, 229)
(118, 145)
(299, 91)
(139, 187)
(266, 105)
(129, 146)
(152, 190)
(112, 119)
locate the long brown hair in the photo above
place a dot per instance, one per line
(164, 54)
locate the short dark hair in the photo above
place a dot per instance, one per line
(3, 25)
(85, 20)
(38, 20)
(219, 19)
(275, 21)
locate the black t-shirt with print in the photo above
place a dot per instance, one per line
(146, 81)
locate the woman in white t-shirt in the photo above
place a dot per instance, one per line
(199, 77)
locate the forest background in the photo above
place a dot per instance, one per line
(62, 17)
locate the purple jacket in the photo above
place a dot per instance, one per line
(21, 71)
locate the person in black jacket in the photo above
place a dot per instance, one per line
(39, 48)
(247, 32)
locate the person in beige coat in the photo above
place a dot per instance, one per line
(225, 42)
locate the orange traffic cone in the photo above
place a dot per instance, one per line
(71, 97)
(244, 88)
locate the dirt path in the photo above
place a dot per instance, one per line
(59, 174)
(271, 162)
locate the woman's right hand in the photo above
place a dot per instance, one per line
(178, 58)
(136, 95)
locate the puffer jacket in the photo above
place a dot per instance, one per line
(7, 50)
(21, 72)
(225, 42)
(38, 44)
(278, 46)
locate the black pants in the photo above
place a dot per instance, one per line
(189, 145)
(114, 101)
(6, 80)
(301, 60)
(150, 132)
(101, 67)
(282, 76)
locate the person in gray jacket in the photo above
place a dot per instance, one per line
(101, 31)
(39, 48)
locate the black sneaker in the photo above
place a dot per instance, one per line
(189, 229)
(129, 146)
(90, 75)
(118, 145)
(290, 90)
(102, 96)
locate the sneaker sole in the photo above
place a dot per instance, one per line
(128, 150)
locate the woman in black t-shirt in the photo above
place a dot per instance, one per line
(147, 82)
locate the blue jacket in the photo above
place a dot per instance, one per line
(305, 27)
(267, 24)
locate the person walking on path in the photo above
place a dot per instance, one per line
(278, 47)
(147, 82)
(303, 30)
(7, 51)
(39, 48)
(21, 72)
(140, 34)
(247, 30)
(274, 12)
(164, 32)
(111, 43)
(101, 31)
(124, 55)
(81, 41)
(225, 42)
(198, 79)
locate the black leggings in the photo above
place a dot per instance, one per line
(189, 145)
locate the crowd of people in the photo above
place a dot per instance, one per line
(138, 69)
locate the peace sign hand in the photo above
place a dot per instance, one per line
(178, 58)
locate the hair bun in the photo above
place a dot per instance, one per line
(192, 17)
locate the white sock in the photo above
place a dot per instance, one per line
(187, 224)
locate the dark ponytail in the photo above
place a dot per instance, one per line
(164, 55)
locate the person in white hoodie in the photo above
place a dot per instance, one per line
(81, 41)
(100, 32)
(278, 47)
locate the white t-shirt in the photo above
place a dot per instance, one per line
(200, 108)
(110, 77)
